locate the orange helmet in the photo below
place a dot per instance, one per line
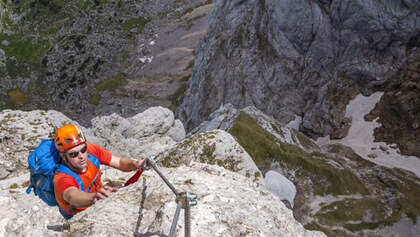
(68, 136)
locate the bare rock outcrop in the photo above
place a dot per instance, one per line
(224, 118)
(399, 111)
(143, 135)
(214, 147)
(231, 199)
(229, 204)
(20, 133)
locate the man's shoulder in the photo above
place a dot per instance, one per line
(99, 152)
(62, 181)
(93, 146)
(60, 177)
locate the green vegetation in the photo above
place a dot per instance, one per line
(357, 211)
(203, 151)
(14, 186)
(5, 19)
(257, 175)
(174, 158)
(315, 170)
(328, 232)
(136, 23)
(24, 49)
(174, 98)
(52, 9)
(229, 164)
(304, 140)
(37, 7)
(35, 31)
(171, 160)
(263, 148)
(408, 186)
(335, 148)
(114, 183)
(188, 181)
(16, 69)
(50, 31)
(277, 130)
(17, 97)
(188, 10)
(207, 154)
(30, 27)
(111, 83)
(94, 98)
(323, 174)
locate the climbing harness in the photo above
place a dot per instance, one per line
(184, 200)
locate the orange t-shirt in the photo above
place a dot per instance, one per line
(63, 181)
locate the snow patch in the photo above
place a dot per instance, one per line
(360, 137)
(295, 123)
(280, 186)
(146, 59)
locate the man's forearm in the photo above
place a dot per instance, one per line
(127, 164)
(79, 198)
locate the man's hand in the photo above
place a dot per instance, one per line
(125, 164)
(138, 164)
(104, 192)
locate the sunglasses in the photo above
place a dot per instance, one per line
(76, 153)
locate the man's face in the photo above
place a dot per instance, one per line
(77, 157)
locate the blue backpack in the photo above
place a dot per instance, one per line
(43, 162)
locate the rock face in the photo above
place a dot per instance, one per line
(300, 58)
(229, 204)
(143, 135)
(97, 57)
(399, 111)
(231, 198)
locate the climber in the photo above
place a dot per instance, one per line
(83, 159)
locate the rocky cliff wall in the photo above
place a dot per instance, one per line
(306, 58)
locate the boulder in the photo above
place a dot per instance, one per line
(215, 147)
(143, 135)
(21, 132)
(280, 186)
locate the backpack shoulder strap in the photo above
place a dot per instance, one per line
(94, 160)
(64, 169)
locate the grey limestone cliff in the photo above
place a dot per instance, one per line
(305, 58)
